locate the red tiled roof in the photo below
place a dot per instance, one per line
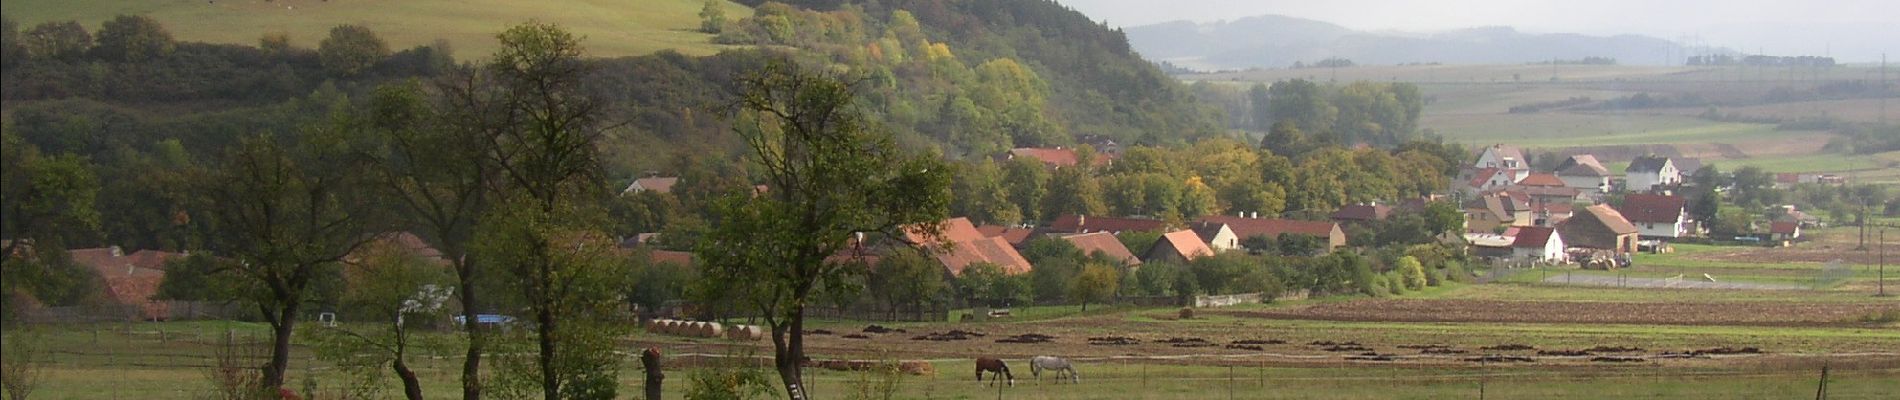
(1652, 208)
(1542, 179)
(1272, 228)
(1055, 157)
(990, 250)
(131, 280)
(1085, 224)
(1184, 243)
(658, 184)
(1553, 208)
(1103, 242)
(1532, 237)
(1784, 227)
(1482, 176)
(1362, 212)
(670, 257)
(955, 230)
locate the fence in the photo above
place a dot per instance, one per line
(916, 314)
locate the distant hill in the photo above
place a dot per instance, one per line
(1274, 41)
(612, 27)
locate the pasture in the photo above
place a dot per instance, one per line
(612, 28)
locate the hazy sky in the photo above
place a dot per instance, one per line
(1849, 29)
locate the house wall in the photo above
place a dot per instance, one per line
(1663, 230)
(1224, 241)
(1589, 185)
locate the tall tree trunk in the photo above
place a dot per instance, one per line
(550, 379)
(411, 387)
(650, 360)
(280, 345)
(477, 338)
(788, 342)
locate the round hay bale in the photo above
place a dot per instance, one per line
(715, 330)
(697, 329)
(1187, 313)
(672, 327)
(917, 367)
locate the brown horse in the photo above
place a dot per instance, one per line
(996, 368)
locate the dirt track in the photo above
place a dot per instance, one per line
(1748, 314)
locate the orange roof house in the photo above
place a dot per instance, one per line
(1104, 243)
(1179, 246)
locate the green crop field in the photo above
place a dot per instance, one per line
(612, 27)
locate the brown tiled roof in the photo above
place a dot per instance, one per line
(1272, 228)
(671, 257)
(1541, 179)
(1103, 242)
(1363, 212)
(955, 230)
(1085, 224)
(1060, 157)
(659, 184)
(1784, 227)
(1483, 175)
(1532, 237)
(1652, 208)
(1013, 235)
(132, 280)
(1184, 243)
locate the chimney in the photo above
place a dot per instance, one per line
(1256, 215)
(1242, 214)
(116, 252)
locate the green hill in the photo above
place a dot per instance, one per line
(612, 27)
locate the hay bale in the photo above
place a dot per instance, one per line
(917, 367)
(746, 333)
(1187, 313)
(715, 330)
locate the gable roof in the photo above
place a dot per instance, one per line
(1272, 228)
(955, 230)
(1483, 175)
(1596, 226)
(1184, 243)
(1533, 237)
(1084, 224)
(1652, 208)
(1103, 242)
(1013, 235)
(1647, 164)
(660, 184)
(1505, 151)
(1784, 227)
(1363, 212)
(1582, 165)
(1209, 230)
(1688, 165)
(993, 250)
(132, 279)
(1541, 180)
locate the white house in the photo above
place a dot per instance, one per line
(1500, 156)
(1541, 244)
(1657, 216)
(1217, 235)
(1648, 172)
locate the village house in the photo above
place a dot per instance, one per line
(1599, 227)
(1177, 247)
(1488, 212)
(130, 280)
(1500, 156)
(1658, 216)
(1103, 244)
(656, 184)
(1784, 230)
(1243, 228)
(1217, 235)
(1015, 235)
(1053, 157)
(1649, 172)
(1584, 173)
(1538, 244)
(1496, 166)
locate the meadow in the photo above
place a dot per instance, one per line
(612, 28)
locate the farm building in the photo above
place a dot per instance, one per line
(1658, 216)
(130, 280)
(1784, 230)
(1014, 235)
(1086, 224)
(959, 244)
(1270, 228)
(1584, 173)
(1488, 212)
(1361, 213)
(1177, 247)
(1599, 227)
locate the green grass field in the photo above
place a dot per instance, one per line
(1814, 163)
(611, 27)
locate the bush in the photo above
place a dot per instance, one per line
(729, 383)
(1394, 283)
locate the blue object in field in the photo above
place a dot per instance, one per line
(487, 319)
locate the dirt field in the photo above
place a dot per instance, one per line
(1682, 313)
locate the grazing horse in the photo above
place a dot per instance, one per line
(1056, 365)
(996, 368)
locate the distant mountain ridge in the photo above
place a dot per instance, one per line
(1276, 41)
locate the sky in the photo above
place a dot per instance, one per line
(1852, 30)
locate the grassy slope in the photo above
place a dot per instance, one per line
(612, 27)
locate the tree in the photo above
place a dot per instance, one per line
(1096, 283)
(1073, 191)
(712, 17)
(131, 38)
(907, 279)
(286, 214)
(64, 41)
(1444, 217)
(1412, 272)
(11, 49)
(351, 50)
(432, 165)
(1028, 184)
(832, 175)
(48, 201)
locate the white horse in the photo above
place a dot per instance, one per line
(1057, 365)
